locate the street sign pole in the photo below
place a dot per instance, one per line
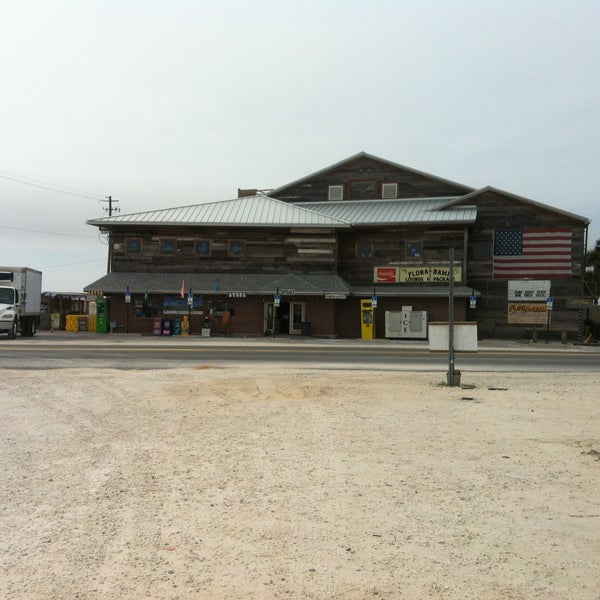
(549, 306)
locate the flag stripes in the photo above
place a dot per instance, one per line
(533, 253)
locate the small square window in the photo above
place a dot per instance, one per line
(482, 251)
(237, 247)
(389, 190)
(168, 246)
(203, 247)
(133, 245)
(336, 192)
(414, 249)
(364, 250)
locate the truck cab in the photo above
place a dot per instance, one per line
(20, 304)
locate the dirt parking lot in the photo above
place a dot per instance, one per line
(267, 483)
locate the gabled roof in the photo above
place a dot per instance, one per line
(468, 198)
(396, 211)
(384, 161)
(258, 210)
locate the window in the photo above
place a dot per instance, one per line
(362, 189)
(168, 246)
(414, 249)
(482, 251)
(237, 247)
(133, 245)
(336, 192)
(364, 250)
(203, 247)
(389, 190)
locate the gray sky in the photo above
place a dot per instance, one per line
(179, 102)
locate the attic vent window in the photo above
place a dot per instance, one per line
(336, 192)
(389, 190)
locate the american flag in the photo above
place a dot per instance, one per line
(532, 253)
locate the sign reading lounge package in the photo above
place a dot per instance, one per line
(421, 274)
(527, 313)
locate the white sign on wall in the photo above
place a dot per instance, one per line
(527, 290)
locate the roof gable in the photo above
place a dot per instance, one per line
(450, 187)
(472, 197)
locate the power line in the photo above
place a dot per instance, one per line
(47, 232)
(44, 185)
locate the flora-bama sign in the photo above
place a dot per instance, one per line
(527, 313)
(421, 274)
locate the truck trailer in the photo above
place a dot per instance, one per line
(20, 301)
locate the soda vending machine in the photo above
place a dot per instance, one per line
(103, 315)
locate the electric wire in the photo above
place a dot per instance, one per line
(49, 186)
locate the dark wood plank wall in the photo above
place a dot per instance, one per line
(288, 250)
(496, 211)
(389, 249)
(410, 184)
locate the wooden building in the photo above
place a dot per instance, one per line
(307, 257)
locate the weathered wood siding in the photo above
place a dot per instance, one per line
(287, 250)
(494, 212)
(362, 180)
(389, 249)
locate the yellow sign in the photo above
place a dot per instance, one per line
(428, 274)
(528, 313)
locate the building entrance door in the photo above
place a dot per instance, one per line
(286, 318)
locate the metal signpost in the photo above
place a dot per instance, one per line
(549, 306)
(451, 372)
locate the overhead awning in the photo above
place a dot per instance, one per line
(220, 283)
(411, 290)
(65, 295)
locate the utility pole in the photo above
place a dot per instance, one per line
(110, 209)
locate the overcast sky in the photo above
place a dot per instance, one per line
(172, 103)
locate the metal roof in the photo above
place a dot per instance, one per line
(219, 283)
(413, 290)
(258, 210)
(395, 211)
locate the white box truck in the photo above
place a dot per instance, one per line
(20, 300)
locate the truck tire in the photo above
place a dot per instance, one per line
(12, 332)
(29, 328)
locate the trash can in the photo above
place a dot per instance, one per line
(306, 328)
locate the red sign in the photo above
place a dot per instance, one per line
(386, 274)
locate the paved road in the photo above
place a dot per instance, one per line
(62, 350)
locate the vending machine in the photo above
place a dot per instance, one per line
(103, 315)
(367, 320)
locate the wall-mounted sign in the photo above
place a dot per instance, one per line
(420, 274)
(336, 296)
(386, 275)
(528, 290)
(527, 313)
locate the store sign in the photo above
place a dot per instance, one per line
(527, 313)
(528, 290)
(336, 296)
(386, 275)
(421, 274)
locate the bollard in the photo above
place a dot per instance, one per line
(534, 336)
(563, 337)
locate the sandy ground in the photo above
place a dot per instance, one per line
(238, 483)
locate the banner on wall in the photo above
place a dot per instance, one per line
(421, 274)
(527, 313)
